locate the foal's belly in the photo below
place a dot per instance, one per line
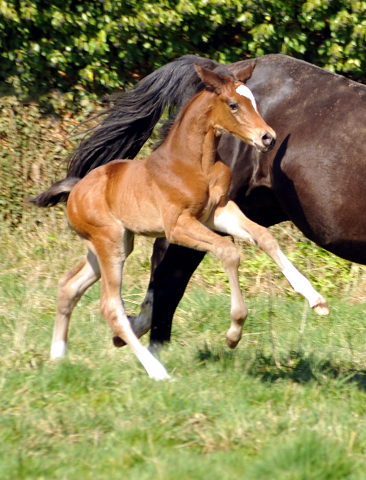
(139, 215)
(133, 199)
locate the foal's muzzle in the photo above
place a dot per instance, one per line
(266, 142)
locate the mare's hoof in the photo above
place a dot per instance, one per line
(321, 308)
(118, 342)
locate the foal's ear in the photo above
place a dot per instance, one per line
(245, 74)
(212, 80)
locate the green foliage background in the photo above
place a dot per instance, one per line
(100, 45)
(57, 58)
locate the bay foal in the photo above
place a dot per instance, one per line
(179, 191)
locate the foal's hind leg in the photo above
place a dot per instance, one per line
(71, 287)
(142, 323)
(111, 246)
(230, 219)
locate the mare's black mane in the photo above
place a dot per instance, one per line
(131, 120)
(197, 86)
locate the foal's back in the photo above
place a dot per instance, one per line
(121, 191)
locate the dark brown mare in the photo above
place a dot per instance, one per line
(180, 192)
(315, 175)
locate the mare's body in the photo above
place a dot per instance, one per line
(313, 177)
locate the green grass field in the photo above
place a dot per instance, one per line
(288, 404)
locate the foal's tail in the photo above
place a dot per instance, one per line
(130, 122)
(59, 192)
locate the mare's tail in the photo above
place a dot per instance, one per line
(130, 122)
(59, 192)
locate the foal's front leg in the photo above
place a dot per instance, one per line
(189, 232)
(231, 220)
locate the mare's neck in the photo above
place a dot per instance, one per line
(192, 137)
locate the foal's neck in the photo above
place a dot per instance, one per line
(193, 136)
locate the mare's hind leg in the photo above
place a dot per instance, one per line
(71, 287)
(112, 248)
(230, 219)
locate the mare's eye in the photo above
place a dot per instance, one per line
(233, 106)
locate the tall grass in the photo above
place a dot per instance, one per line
(288, 403)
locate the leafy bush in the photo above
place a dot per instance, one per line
(33, 147)
(94, 47)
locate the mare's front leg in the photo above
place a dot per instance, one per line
(171, 269)
(71, 287)
(169, 279)
(112, 246)
(142, 323)
(231, 220)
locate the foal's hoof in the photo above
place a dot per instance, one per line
(231, 343)
(321, 308)
(118, 342)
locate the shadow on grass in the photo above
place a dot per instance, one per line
(298, 367)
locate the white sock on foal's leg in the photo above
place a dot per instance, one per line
(58, 349)
(299, 283)
(153, 367)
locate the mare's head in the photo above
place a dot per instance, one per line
(235, 109)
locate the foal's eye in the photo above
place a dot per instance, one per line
(233, 106)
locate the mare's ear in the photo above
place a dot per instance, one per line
(212, 80)
(245, 74)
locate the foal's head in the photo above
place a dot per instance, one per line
(235, 109)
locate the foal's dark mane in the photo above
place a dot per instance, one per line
(123, 132)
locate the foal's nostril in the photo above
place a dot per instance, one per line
(268, 140)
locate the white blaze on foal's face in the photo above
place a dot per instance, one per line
(244, 91)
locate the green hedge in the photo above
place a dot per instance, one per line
(83, 49)
(32, 149)
(93, 47)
